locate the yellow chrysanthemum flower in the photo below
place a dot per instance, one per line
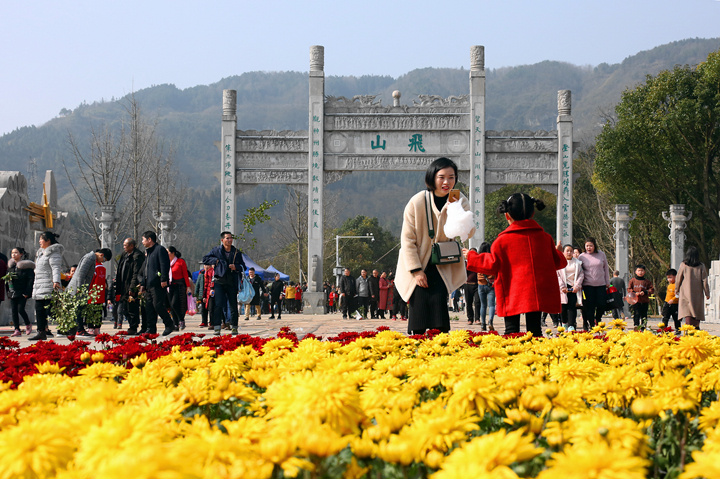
(597, 460)
(493, 453)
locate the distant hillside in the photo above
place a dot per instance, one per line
(521, 97)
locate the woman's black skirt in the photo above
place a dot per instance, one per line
(429, 306)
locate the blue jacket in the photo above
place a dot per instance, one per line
(216, 258)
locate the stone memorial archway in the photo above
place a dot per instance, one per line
(361, 134)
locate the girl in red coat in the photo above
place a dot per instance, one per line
(524, 260)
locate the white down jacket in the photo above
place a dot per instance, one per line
(48, 263)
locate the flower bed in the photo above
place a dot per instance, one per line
(376, 404)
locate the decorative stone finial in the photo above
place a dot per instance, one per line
(229, 102)
(477, 58)
(396, 98)
(564, 102)
(317, 58)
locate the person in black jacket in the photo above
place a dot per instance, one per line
(347, 293)
(127, 284)
(259, 287)
(20, 287)
(374, 283)
(156, 273)
(276, 289)
(228, 263)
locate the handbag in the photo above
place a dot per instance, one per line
(444, 252)
(613, 298)
(191, 305)
(246, 292)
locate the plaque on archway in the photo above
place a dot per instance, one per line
(361, 134)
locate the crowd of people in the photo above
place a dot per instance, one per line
(522, 272)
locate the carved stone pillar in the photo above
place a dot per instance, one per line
(622, 218)
(106, 223)
(227, 165)
(166, 221)
(477, 142)
(314, 299)
(677, 218)
(565, 168)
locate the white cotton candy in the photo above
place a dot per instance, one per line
(459, 222)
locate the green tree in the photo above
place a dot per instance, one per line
(357, 254)
(663, 149)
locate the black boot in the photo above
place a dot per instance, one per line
(40, 336)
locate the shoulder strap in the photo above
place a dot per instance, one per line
(428, 213)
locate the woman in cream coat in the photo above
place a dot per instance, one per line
(423, 285)
(570, 280)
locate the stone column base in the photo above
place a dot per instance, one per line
(313, 303)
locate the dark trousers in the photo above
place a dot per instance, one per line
(42, 310)
(204, 310)
(364, 302)
(275, 302)
(640, 311)
(568, 316)
(671, 311)
(373, 308)
(470, 293)
(132, 311)
(594, 305)
(176, 291)
(156, 304)
(533, 320)
(348, 305)
(225, 295)
(17, 306)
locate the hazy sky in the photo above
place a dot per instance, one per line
(57, 54)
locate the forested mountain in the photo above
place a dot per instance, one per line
(520, 97)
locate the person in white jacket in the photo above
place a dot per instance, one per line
(48, 262)
(570, 280)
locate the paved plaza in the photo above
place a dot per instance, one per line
(327, 325)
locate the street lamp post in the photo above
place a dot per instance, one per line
(338, 268)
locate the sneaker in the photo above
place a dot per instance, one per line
(96, 331)
(167, 331)
(182, 324)
(271, 317)
(40, 336)
(226, 326)
(203, 325)
(210, 326)
(217, 332)
(16, 333)
(279, 318)
(28, 329)
(115, 326)
(247, 318)
(83, 334)
(234, 331)
(49, 333)
(132, 332)
(259, 318)
(570, 329)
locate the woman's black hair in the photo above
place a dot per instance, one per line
(692, 257)
(435, 166)
(520, 206)
(484, 247)
(592, 240)
(173, 250)
(23, 253)
(49, 236)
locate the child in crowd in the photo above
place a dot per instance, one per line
(642, 288)
(523, 259)
(670, 308)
